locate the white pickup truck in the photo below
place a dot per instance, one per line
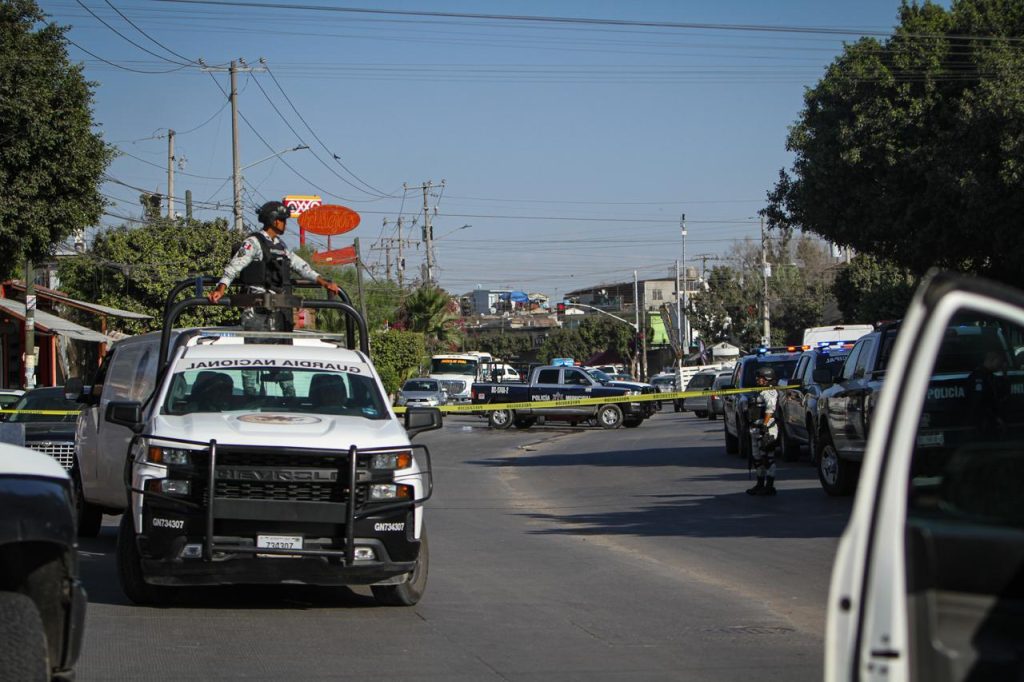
(254, 457)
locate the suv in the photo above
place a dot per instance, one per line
(42, 603)
(255, 457)
(798, 397)
(701, 381)
(736, 406)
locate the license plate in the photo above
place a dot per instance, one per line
(278, 542)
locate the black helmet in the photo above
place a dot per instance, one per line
(766, 373)
(271, 211)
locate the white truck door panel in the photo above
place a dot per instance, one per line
(928, 582)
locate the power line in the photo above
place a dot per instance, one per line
(146, 50)
(136, 27)
(114, 64)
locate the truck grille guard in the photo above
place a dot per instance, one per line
(347, 473)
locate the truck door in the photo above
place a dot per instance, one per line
(856, 396)
(577, 384)
(928, 582)
(838, 404)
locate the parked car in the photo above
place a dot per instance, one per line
(421, 392)
(50, 434)
(926, 583)
(8, 396)
(716, 404)
(664, 383)
(701, 381)
(797, 413)
(42, 603)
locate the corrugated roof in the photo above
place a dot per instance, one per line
(48, 322)
(60, 297)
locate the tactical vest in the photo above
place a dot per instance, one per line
(272, 270)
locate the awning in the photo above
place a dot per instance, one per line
(60, 297)
(47, 322)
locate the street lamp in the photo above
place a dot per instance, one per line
(634, 325)
(237, 176)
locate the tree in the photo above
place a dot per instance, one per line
(870, 289)
(504, 346)
(135, 268)
(432, 311)
(51, 160)
(397, 355)
(912, 149)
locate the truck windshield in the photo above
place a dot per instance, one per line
(464, 366)
(274, 390)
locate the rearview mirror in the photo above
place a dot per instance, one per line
(420, 419)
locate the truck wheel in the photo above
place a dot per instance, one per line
(23, 651)
(712, 416)
(790, 448)
(632, 423)
(677, 405)
(88, 517)
(524, 422)
(743, 434)
(500, 419)
(609, 416)
(410, 592)
(838, 476)
(812, 441)
(732, 445)
(700, 414)
(129, 568)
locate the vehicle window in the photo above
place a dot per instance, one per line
(145, 375)
(801, 370)
(700, 381)
(861, 369)
(832, 361)
(547, 376)
(47, 401)
(968, 463)
(420, 386)
(463, 366)
(783, 370)
(851, 362)
(576, 378)
(121, 376)
(306, 391)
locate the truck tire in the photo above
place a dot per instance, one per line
(88, 517)
(129, 568)
(677, 405)
(24, 654)
(732, 445)
(632, 423)
(789, 447)
(409, 592)
(499, 419)
(700, 414)
(838, 476)
(743, 435)
(524, 422)
(609, 416)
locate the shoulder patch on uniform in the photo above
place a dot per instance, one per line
(247, 246)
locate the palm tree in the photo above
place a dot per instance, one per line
(433, 312)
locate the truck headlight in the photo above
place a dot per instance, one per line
(169, 486)
(159, 455)
(390, 461)
(381, 492)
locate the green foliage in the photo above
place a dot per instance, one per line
(397, 355)
(912, 149)
(596, 334)
(869, 289)
(51, 160)
(504, 346)
(432, 311)
(135, 268)
(730, 310)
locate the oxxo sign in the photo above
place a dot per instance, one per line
(300, 203)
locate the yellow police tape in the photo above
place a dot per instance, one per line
(54, 412)
(573, 402)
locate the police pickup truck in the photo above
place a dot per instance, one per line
(548, 383)
(254, 457)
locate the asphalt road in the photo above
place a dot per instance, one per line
(556, 554)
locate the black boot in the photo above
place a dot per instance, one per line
(758, 488)
(769, 489)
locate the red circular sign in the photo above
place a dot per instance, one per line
(329, 220)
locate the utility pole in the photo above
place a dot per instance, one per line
(428, 230)
(236, 158)
(170, 174)
(188, 205)
(684, 334)
(400, 264)
(30, 327)
(679, 320)
(766, 317)
(359, 279)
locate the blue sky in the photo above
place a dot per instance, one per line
(570, 149)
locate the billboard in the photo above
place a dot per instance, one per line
(300, 203)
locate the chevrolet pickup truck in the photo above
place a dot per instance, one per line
(559, 383)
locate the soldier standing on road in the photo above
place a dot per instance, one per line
(764, 453)
(264, 263)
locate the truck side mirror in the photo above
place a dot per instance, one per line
(125, 413)
(420, 419)
(822, 377)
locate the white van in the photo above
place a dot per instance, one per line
(815, 336)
